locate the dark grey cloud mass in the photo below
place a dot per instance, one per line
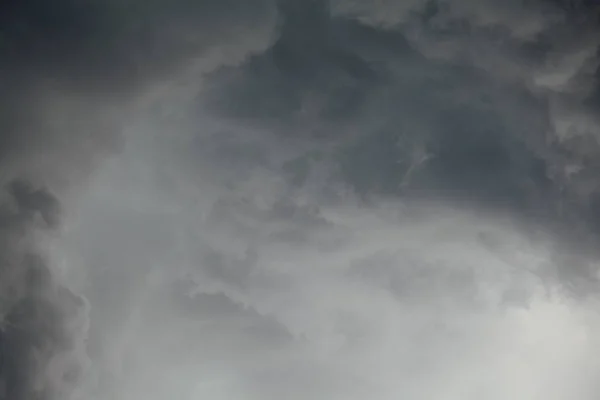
(300, 199)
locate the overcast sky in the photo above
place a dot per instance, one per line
(299, 199)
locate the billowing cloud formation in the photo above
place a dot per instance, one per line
(239, 284)
(72, 74)
(300, 199)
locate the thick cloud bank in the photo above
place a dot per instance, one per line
(299, 199)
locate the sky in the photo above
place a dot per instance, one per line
(299, 199)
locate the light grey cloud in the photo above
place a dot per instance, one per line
(310, 296)
(349, 216)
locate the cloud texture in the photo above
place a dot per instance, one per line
(299, 199)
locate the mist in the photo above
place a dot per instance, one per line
(299, 199)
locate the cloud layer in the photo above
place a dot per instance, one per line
(299, 199)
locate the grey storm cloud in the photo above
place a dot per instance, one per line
(72, 73)
(299, 198)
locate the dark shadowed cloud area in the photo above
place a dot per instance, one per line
(299, 199)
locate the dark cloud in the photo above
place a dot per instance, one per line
(71, 74)
(39, 317)
(307, 117)
(78, 66)
(451, 100)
